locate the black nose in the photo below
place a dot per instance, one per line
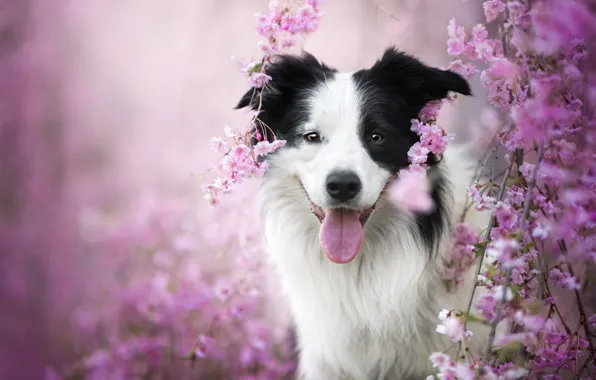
(343, 186)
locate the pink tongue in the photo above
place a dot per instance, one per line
(341, 235)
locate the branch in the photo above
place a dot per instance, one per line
(382, 8)
(501, 305)
(580, 305)
(491, 224)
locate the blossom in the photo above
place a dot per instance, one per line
(464, 371)
(418, 154)
(455, 47)
(279, 28)
(492, 9)
(410, 191)
(453, 328)
(563, 279)
(258, 80)
(464, 69)
(440, 360)
(218, 144)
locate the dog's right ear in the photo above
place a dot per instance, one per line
(289, 75)
(402, 73)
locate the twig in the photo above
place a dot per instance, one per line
(382, 8)
(580, 305)
(479, 170)
(491, 224)
(543, 265)
(501, 304)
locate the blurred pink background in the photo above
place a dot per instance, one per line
(148, 83)
(110, 104)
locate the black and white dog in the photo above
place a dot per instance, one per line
(362, 278)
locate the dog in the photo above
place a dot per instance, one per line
(363, 279)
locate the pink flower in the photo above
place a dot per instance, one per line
(464, 371)
(592, 321)
(444, 314)
(563, 279)
(418, 154)
(516, 10)
(258, 80)
(455, 47)
(428, 113)
(515, 373)
(262, 148)
(455, 31)
(240, 152)
(453, 328)
(219, 145)
(464, 69)
(484, 51)
(410, 191)
(501, 68)
(492, 9)
(440, 360)
(479, 33)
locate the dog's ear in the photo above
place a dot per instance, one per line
(420, 83)
(289, 75)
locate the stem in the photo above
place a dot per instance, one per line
(580, 305)
(384, 10)
(491, 224)
(542, 263)
(501, 305)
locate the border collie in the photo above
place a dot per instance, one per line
(362, 278)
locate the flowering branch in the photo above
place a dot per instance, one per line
(580, 305)
(503, 300)
(241, 159)
(536, 76)
(491, 224)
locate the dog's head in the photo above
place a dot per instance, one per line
(346, 134)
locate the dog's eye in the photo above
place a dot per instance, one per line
(312, 137)
(376, 138)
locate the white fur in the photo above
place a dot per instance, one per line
(380, 310)
(335, 115)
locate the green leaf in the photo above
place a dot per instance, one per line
(474, 318)
(510, 351)
(255, 69)
(480, 248)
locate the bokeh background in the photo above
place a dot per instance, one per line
(112, 265)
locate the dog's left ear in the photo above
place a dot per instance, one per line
(289, 75)
(421, 83)
(248, 99)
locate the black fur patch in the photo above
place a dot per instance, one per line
(395, 90)
(431, 226)
(282, 107)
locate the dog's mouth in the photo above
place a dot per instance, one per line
(363, 214)
(342, 231)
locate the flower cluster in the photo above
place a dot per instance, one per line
(279, 29)
(241, 160)
(410, 190)
(463, 255)
(535, 254)
(452, 326)
(161, 310)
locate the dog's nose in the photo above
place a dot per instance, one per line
(343, 186)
